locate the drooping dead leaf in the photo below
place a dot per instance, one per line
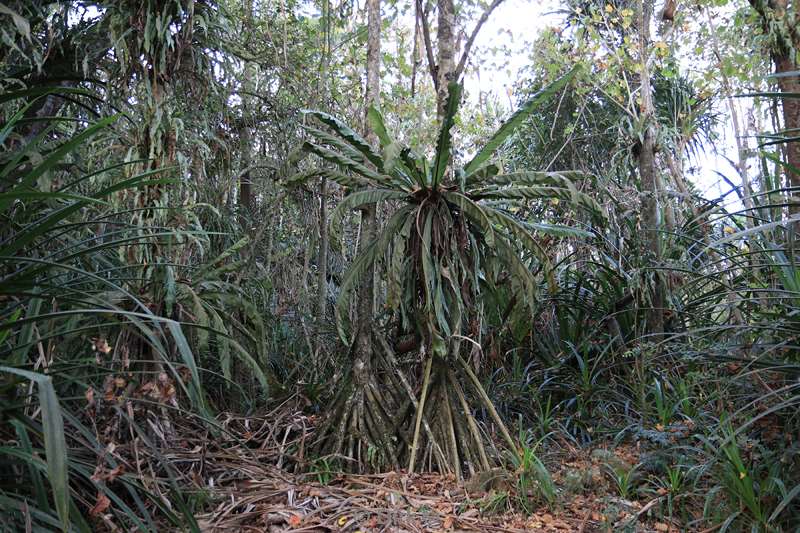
(100, 473)
(113, 474)
(101, 505)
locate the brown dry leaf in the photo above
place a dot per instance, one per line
(89, 395)
(447, 523)
(443, 507)
(660, 526)
(101, 505)
(101, 475)
(295, 520)
(168, 391)
(113, 474)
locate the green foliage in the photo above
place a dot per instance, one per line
(129, 261)
(625, 480)
(55, 445)
(456, 232)
(534, 483)
(65, 285)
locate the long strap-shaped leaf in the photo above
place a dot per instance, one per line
(483, 174)
(56, 156)
(376, 123)
(372, 252)
(556, 179)
(359, 198)
(349, 135)
(416, 165)
(445, 140)
(55, 444)
(474, 212)
(354, 166)
(41, 91)
(337, 143)
(516, 119)
(568, 194)
(557, 230)
(522, 235)
(46, 223)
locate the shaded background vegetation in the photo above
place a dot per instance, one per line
(182, 244)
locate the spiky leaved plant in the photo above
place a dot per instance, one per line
(453, 234)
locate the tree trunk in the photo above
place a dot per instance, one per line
(372, 97)
(246, 139)
(360, 419)
(322, 259)
(779, 21)
(648, 172)
(446, 42)
(245, 183)
(791, 120)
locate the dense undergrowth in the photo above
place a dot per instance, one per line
(102, 354)
(156, 344)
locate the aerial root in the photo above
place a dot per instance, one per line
(383, 423)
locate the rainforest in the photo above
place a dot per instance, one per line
(399, 266)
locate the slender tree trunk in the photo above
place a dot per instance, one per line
(322, 260)
(246, 139)
(446, 42)
(415, 59)
(322, 257)
(648, 171)
(779, 19)
(373, 89)
(788, 81)
(245, 183)
(791, 120)
(366, 296)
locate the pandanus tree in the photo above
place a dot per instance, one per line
(452, 235)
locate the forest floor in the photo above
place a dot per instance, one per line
(397, 502)
(244, 481)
